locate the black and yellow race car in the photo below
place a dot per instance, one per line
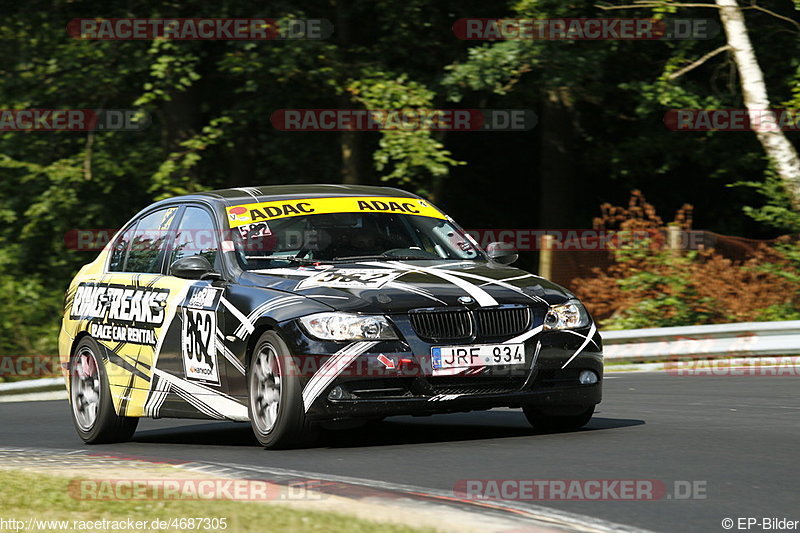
(290, 306)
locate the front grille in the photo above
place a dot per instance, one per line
(439, 324)
(503, 321)
(459, 324)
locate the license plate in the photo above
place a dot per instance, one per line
(477, 355)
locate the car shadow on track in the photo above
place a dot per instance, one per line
(449, 428)
(393, 431)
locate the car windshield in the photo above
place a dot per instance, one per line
(342, 237)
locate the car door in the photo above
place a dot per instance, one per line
(128, 306)
(195, 352)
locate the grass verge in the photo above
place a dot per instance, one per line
(25, 495)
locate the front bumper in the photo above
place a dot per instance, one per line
(366, 387)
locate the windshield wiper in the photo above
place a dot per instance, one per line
(290, 258)
(384, 256)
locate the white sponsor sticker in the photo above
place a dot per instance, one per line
(119, 303)
(354, 278)
(198, 346)
(203, 297)
(254, 230)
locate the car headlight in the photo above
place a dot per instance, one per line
(348, 327)
(568, 315)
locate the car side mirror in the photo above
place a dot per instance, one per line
(499, 252)
(193, 267)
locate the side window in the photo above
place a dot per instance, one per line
(120, 250)
(196, 236)
(147, 241)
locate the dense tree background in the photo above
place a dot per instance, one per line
(600, 133)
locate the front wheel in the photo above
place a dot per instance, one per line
(557, 422)
(275, 401)
(90, 398)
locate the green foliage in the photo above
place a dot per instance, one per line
(27, 316)
(663, 276)
(175, 177)
(789, 267)
(210, 104)
(411, 155)
(496, 68)
(173, 69)
(777, 211)
(778, 312)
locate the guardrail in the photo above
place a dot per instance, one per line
(29, 385)
(743, 339)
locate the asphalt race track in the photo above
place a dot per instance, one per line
(737, 436)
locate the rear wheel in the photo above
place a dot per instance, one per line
(548, 421)
(90, 398)
(275, 401)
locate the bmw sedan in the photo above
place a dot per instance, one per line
(295, 307)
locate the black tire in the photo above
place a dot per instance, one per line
(283, 425)
(88, 373)
(547, 421)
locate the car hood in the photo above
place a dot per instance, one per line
(390, 287)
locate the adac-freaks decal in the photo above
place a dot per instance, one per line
(120, 313)
(198, 342)
(247, 214)
(352, 278)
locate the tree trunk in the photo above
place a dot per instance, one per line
(350, 141)
(778, 148)
(556, 160)
(351, 157)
